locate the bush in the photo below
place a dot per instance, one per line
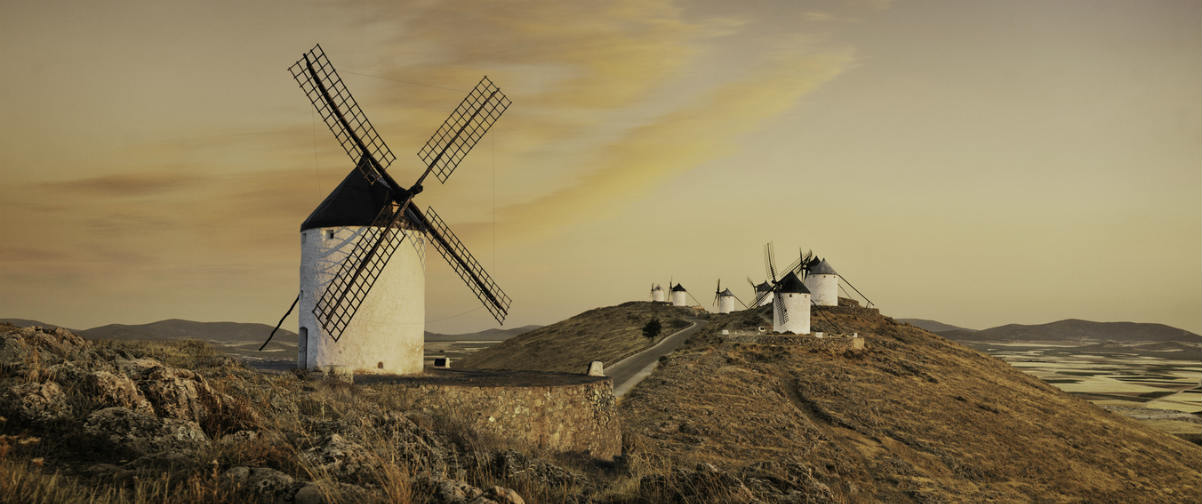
(652, 329)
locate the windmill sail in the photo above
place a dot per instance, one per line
(465, 264)
(358, 272)
(461, 130)
(341, 113)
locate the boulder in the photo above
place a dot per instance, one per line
(105, 389)
(177, 393)
(136, 434)
(35, 403)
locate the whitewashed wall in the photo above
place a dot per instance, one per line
(387, 334)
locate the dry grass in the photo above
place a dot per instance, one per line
(914, 418)
(607, 334)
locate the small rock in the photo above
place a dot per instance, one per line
(236, 475)
(309, 494)
(270, 483)
(504, 495)
(341, 459)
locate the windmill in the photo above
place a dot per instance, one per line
(362, 294)
(822, 280)
(763, 291)
(725, 299)
(680, 296)
(657, 293)
(789, 297)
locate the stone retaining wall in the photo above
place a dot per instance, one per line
(575, 417)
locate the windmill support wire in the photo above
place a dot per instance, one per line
(280, 323)
(869, 301)
(837, 327)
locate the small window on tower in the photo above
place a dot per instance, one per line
(330, 235)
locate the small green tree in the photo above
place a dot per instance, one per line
(652, 329)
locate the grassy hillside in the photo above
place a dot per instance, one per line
(912, 418)
(606, 334)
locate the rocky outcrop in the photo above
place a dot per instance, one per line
(107, 389)
(137, 434)
(36, 403)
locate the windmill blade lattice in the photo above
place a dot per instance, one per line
(465, 265)
(339, 110)
(359, 271)
(463, 128)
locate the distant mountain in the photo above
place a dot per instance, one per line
(20, 322)
(1074, 330)
(932, 325)
(485, 335)
(225, 333)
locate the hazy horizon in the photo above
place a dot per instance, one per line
(973, 163)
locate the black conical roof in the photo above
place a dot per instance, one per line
(790, 284)
(353, 203)
(763, 287)
(726, 292)
(678, 288)
(822, 268)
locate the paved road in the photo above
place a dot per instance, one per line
(631, 370)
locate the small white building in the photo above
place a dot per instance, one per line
(657, 294)
(387, 333)
(823, 283)
(763, 292)
(726, 301)
(679, 296)
(791, 306)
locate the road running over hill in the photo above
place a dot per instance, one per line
(628, 372)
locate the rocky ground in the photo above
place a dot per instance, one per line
(172, 422)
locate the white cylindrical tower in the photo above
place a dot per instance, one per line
(763, 292)
(823, 283)
(657, 294)
(791, 306)
(679, 296)
(387, 332)
(726, 301)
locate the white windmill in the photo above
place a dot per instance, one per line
(791, 306)
(789, 297)
(724, 299)
(657, 294)
(362, 294)
(823, 283)
(680, 296)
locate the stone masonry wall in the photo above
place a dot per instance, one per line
(577, 417)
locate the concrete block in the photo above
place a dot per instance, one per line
(596, 368)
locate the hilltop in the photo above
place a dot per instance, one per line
(1076, 331)
(606, 334)
(912, 418)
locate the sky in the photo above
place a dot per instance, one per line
(978, 163)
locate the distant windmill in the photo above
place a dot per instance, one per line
(363, 295)
(823, 282)
(763, 293)
(657, 293)
(679, 295)
(725, 299)
(790, 299)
